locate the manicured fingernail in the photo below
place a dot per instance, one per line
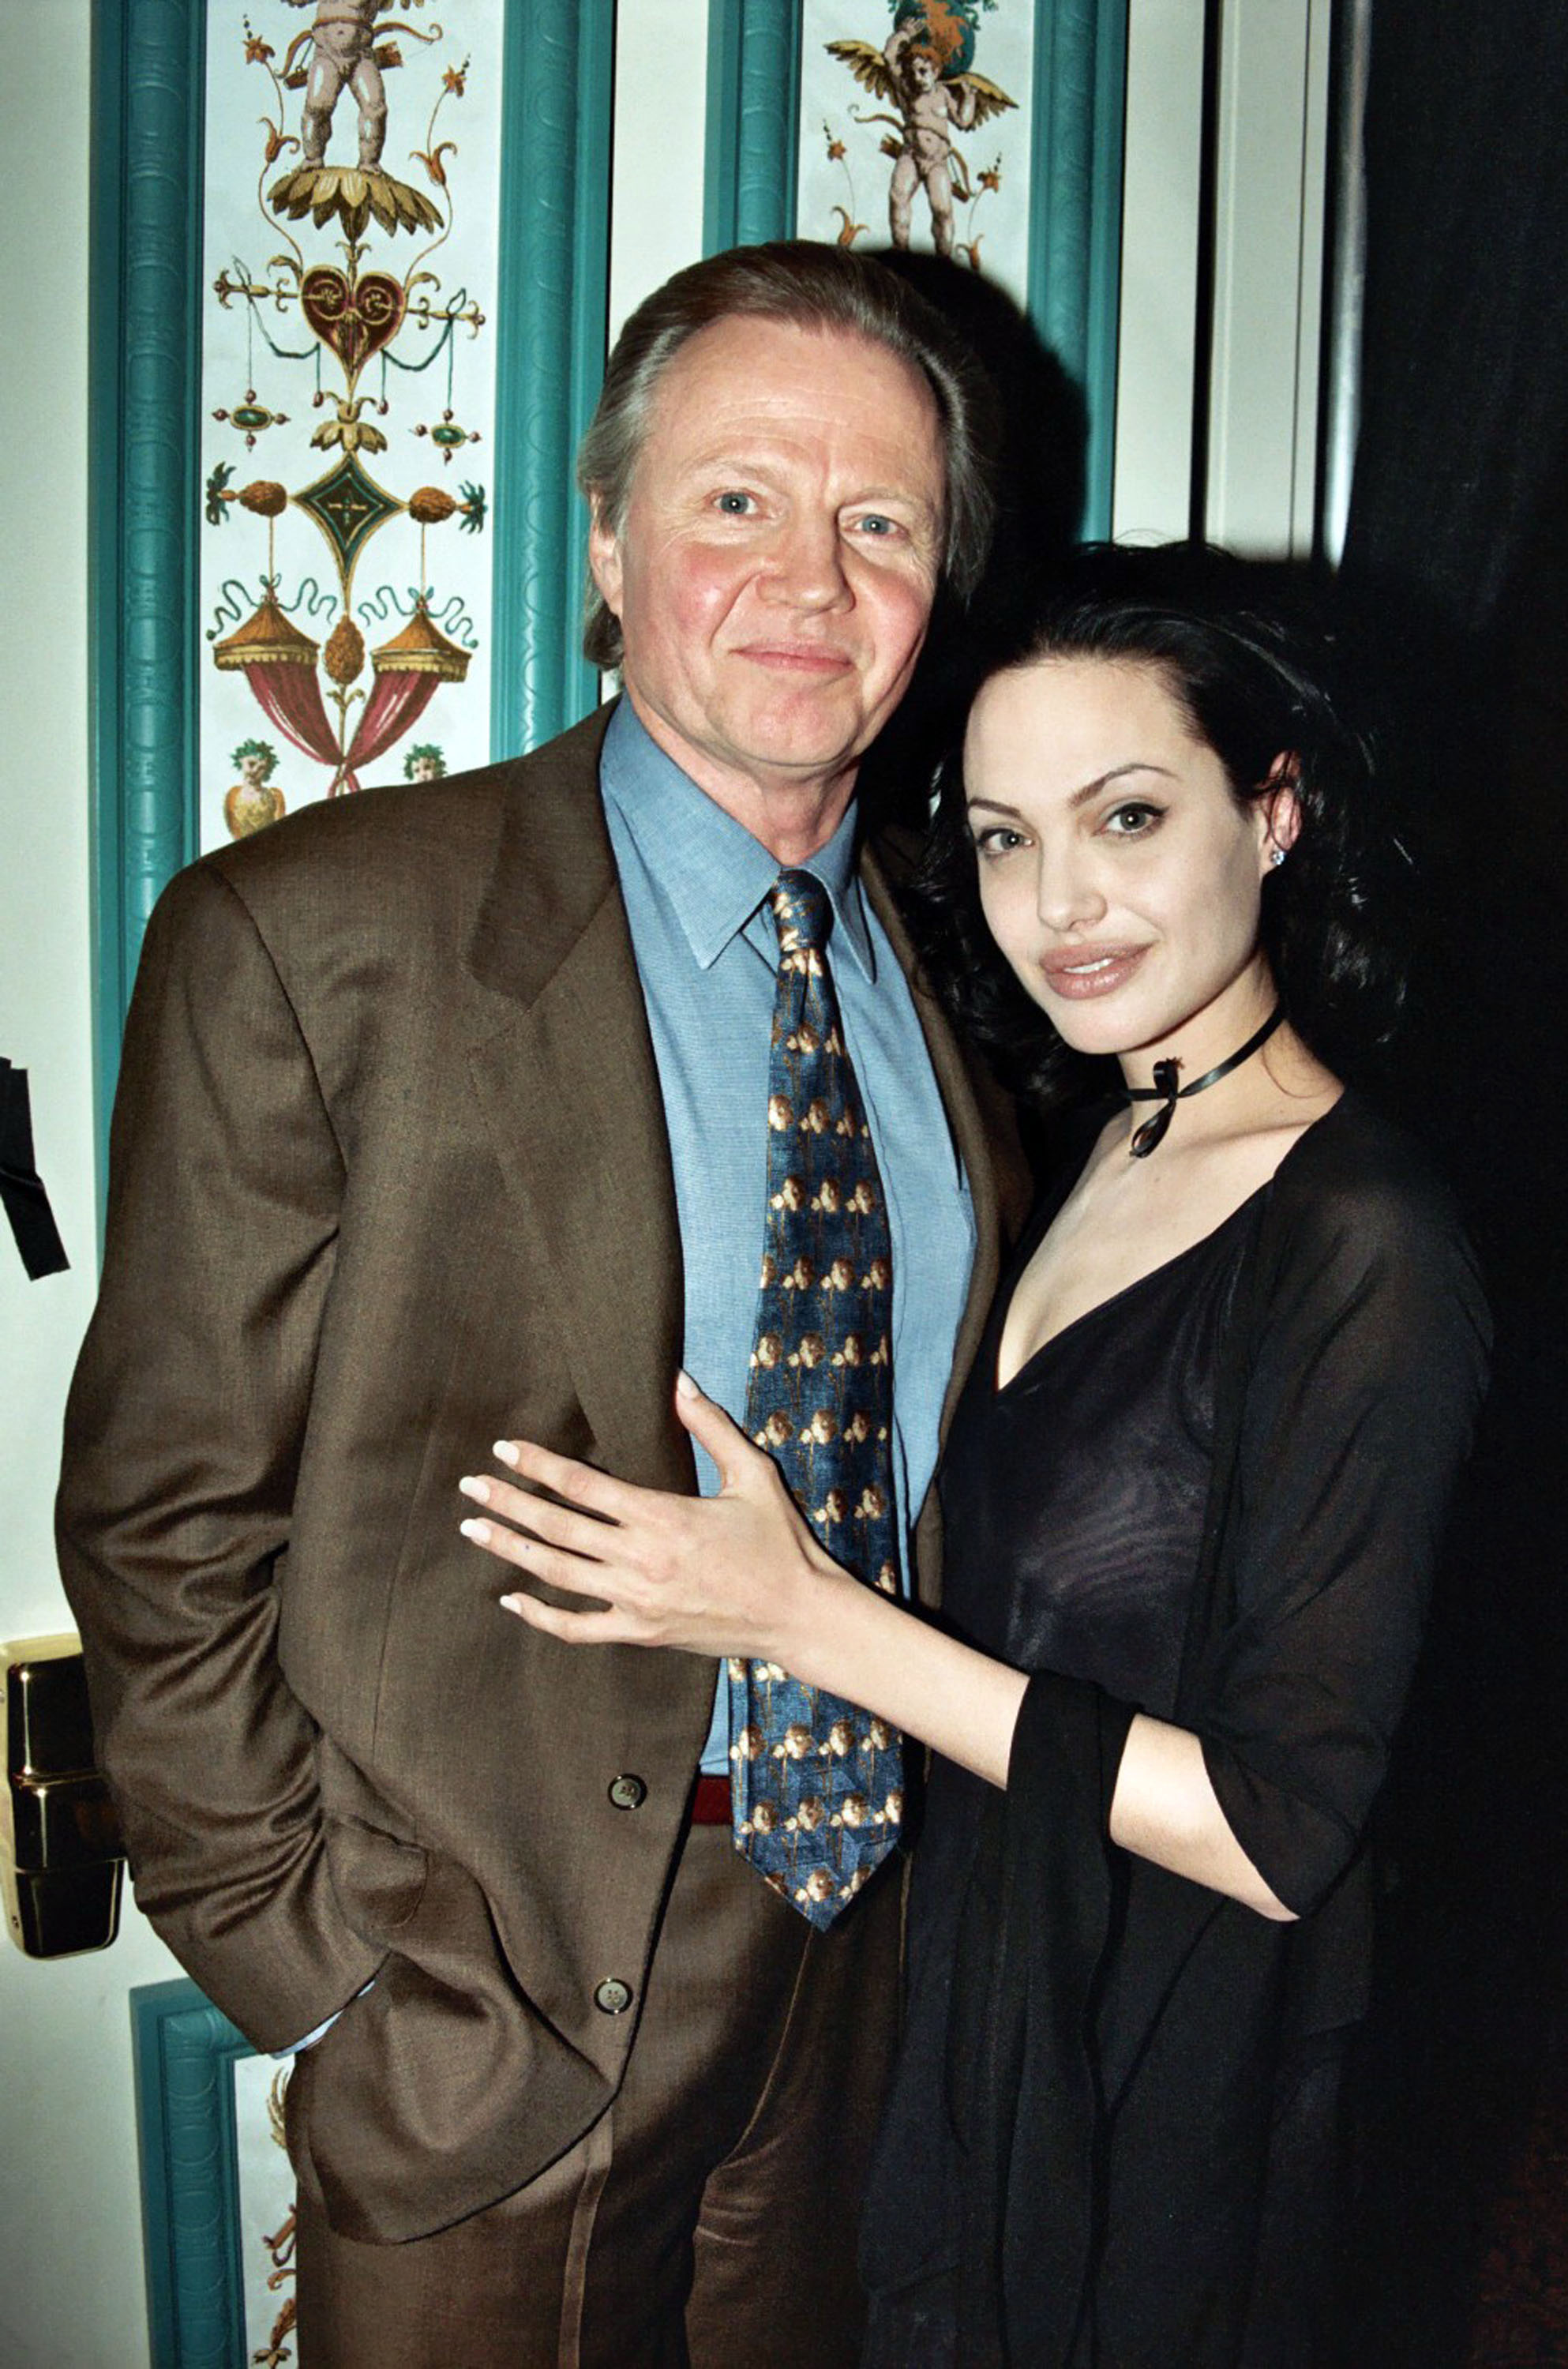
(504, 1451)
(685, 1388)
(512, 1604)
(478, 1531)
(472, 1485)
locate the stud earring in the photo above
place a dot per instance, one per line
(1277, 857)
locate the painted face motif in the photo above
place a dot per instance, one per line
(774, 572)
(1117, 873)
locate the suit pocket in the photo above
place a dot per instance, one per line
(379, 1880)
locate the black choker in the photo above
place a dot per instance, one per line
(1166, 1090)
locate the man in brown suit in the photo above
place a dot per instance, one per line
(405, 1158)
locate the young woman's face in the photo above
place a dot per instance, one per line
(1117, 873)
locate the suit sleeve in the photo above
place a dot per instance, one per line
(182, 1437)
(1360, 1410)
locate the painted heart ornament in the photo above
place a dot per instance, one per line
(355, 318)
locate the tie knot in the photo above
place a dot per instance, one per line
(802, 909)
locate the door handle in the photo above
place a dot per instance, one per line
(62, 1860)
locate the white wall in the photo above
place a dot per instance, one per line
(71, 2292)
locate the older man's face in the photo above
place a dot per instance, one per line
(775, 574)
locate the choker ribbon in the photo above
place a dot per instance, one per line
(1166, 1091)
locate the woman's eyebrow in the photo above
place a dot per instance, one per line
(1090, 789)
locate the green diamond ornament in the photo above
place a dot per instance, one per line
(347, 505)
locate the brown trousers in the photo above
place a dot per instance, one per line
(710, 2216)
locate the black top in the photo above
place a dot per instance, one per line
(1215, 1498)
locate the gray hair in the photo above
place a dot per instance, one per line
(813, 286)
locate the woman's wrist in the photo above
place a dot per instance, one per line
(811, 1611)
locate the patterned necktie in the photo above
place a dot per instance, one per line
(816, 1783)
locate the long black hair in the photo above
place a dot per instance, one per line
(1257, 675)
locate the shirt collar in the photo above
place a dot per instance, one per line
(713, 872)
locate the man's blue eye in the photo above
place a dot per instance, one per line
(735, 505)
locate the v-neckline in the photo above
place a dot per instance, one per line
(998, 1388)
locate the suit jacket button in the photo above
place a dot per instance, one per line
(628, 1792)
(612, 1997)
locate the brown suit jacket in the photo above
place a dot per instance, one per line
(390, 1180)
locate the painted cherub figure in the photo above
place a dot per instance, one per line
(343, 51)
(932, 110)
(907, 72)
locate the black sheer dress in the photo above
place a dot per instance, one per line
(1164, 2162)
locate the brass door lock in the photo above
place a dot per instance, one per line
(61, 1857)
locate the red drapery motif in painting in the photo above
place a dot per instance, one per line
(408, 669)
(280, 664)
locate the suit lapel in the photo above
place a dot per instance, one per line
(570, 1092)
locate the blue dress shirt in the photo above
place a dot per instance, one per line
(695, 885)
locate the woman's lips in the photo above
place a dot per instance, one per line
(1078, 973)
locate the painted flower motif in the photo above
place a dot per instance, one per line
(257, 51)
(991, 177)
(457, 79)
(835, 147)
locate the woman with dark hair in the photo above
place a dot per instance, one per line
(1191, 1495)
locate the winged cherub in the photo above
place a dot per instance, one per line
(907, 73)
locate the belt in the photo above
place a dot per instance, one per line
(709, 1803)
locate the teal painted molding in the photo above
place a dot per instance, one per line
(553, 305)
(753, 123)
(144, 288)
(1076, 213)
(183, 2051)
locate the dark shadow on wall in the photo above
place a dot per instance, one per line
(1039, 443)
